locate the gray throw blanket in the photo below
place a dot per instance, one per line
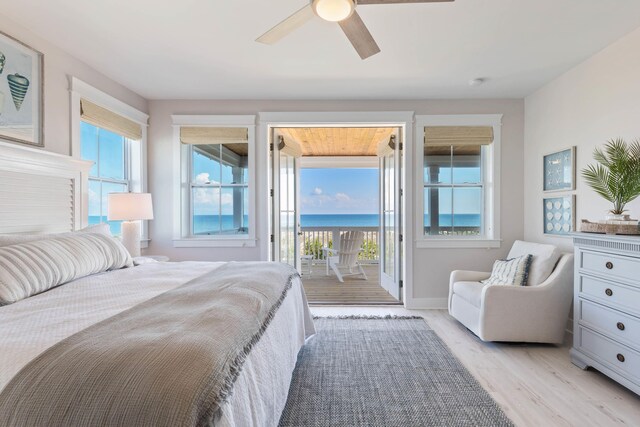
(170, 361)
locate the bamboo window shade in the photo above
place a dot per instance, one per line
(438, 136)
(106, 119)
(289, 147)
(213, 135)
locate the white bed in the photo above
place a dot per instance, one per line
(33, 325)
(30, 326)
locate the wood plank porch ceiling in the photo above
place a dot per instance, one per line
(338, 141)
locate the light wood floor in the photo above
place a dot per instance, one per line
(322, 289)
(535, 385)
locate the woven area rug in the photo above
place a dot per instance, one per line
(384, 372)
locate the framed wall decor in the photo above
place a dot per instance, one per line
(21, 92)
(559, 170)
(559, 215)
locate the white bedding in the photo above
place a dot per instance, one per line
(30, 326)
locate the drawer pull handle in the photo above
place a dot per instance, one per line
(620, 357)
(620, 326)
(609, 265)
(608, 291)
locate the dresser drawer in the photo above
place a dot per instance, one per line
(623, 297)
(611, 265)
(612, 323)
(609, 353)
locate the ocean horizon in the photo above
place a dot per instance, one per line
(205, 224)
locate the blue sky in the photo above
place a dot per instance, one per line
(339, 191)
(355, 191)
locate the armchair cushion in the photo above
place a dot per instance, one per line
(469, 291)
(512, 271)
(545, 258)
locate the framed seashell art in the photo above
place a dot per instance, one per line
(559, 215)
(21, 92)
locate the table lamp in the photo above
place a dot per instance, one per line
(130, 208)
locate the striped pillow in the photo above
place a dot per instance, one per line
(514, 271)
(30, 268)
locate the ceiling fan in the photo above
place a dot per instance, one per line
(341, 11)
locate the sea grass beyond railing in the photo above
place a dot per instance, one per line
(315, 238)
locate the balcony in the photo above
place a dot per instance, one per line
(323, 289)
(315, 238)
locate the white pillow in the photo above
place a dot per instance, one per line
(14, 239)
(512, 271)
(545, 258)
(30, 268)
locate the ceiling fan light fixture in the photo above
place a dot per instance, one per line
(334, 10)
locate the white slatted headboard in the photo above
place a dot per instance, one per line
(41, 192)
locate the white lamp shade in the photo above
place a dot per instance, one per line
(129, 206)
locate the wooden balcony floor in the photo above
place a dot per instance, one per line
(327, 290)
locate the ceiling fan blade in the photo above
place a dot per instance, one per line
(400, 1)
(284, 28)
(359, 36)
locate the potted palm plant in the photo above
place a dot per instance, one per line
(616, 177)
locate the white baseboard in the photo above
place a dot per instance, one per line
(426, 303)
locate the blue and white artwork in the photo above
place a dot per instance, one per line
(559, 170)
(20, 92)
(559, 218)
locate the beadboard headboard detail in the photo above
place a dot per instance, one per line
(41, 192)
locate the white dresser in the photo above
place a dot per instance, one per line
(606, 314)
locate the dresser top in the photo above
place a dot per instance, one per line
(607, 241)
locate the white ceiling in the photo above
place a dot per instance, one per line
(205, 49)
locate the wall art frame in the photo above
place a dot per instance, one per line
(559, 215)
(21, 92)
(559, 170)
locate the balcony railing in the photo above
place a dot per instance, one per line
(315, 238)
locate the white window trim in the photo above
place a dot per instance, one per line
(182, 179)
(137, 155)
(491, 239)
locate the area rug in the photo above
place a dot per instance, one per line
(392, 371)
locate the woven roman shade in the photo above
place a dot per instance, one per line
(457, 135)
(289, 147)
(213, 135)
(106, 119)
(386, 147)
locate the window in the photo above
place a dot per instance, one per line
(217, 180)
(453, 190)
(113, 135)
(219, 189)
(459, 181)
(109, 174)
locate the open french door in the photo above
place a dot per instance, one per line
(286, 201)
(390, 157)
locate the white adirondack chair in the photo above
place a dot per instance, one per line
(346, 257)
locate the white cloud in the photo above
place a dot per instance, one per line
(317, 191)
(342, 197)
(202, 178)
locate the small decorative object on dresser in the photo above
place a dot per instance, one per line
(616, 177)
(606, 325)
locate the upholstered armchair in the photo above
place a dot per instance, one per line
(537, 312)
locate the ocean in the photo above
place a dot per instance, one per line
(204, 224)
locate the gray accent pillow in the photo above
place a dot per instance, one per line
(514, 271)
(29, 268)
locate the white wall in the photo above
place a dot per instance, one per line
(596, 101)
(431, 266)
(58, 66)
